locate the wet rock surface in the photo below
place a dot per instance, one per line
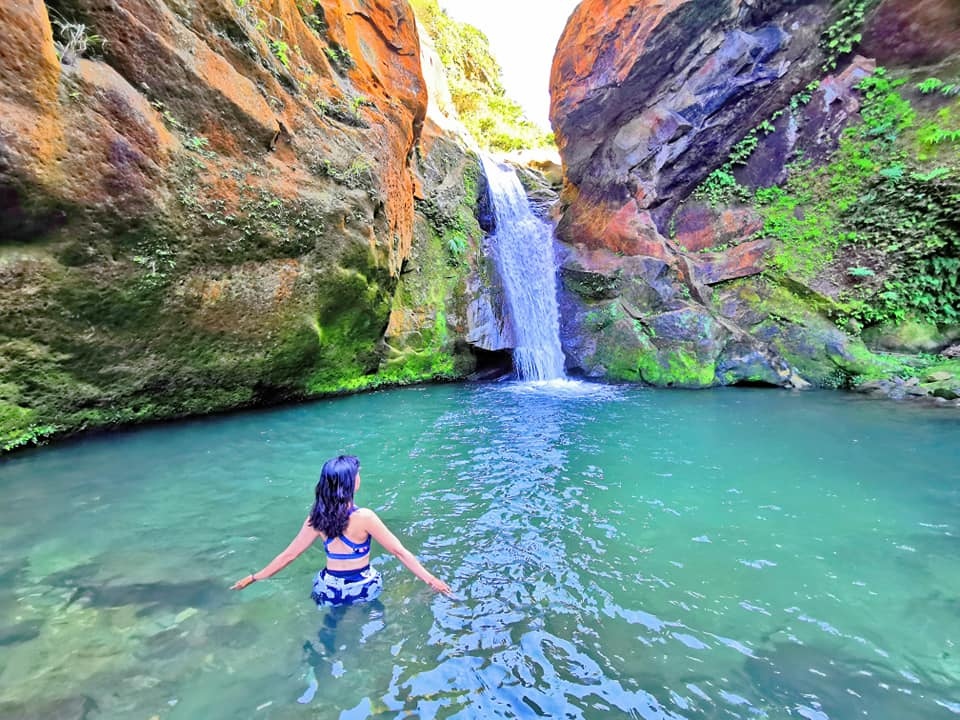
(633, 318)
(940, 387)
(80, 707)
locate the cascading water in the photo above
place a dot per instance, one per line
(522, 247)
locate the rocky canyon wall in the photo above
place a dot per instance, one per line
(719, 158)
(208, 205)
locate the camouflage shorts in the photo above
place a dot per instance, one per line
(357, 586)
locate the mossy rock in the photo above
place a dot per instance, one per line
(910, 336)
(677, 349)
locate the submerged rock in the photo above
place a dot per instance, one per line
(816, 682)
(19, 633)
(79, 707)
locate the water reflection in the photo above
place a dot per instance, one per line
(523, 641)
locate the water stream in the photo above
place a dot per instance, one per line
(617, 553)
(523, 252)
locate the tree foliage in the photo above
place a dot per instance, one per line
(474, 76)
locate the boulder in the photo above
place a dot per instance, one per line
(910, 336)
(740, 261)
(947, 392)
(545, 161)
(78, 707)
(632, 318)
(699, 226)
(623, 228)
(748, 362)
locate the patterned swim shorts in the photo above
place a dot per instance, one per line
(346, 587)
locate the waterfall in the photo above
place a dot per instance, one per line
(522, 249)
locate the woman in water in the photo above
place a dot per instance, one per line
(346, 531)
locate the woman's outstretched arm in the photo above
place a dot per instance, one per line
(381, 533)
(301, 542)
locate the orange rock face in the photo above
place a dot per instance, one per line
(232, 82)
(197, 199)
(701, 227)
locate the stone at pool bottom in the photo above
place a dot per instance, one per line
(788, 673)
(79, 707)
(21, 632)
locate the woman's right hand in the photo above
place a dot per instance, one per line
(243, 582)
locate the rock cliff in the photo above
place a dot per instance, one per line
(724, 165)
(203, 205)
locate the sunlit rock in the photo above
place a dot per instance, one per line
(201, 208)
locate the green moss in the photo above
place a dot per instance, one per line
(352, 311)
(420, 345)
(790, 300)
(911, 335)
(627, 352)
(601, 318)
(677, 367)
(940, 365)
(128, 321)
(15, 422)
(471, 186)
(860, 365)
(121, 304)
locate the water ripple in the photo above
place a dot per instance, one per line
(615, 553)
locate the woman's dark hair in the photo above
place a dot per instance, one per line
(331, 511)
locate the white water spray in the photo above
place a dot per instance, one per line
(522, 248)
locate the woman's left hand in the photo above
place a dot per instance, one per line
(244, 582)
(440, 586)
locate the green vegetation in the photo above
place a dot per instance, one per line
(881, 217)
(16, 425)
(474, 76)
(339, 57)
(341, 110)
(281, 50)
(721, 185)
(936, 85)
(358, 175)
(844, 34)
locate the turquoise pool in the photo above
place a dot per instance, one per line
(617, 552)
